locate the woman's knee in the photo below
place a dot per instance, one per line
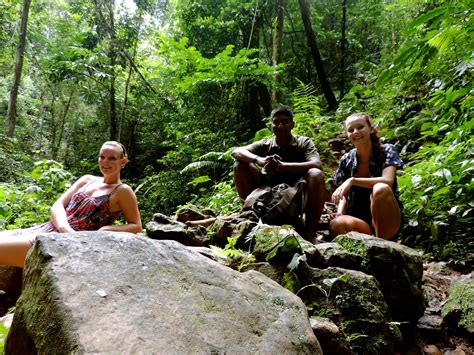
(381, 191)
(338, 226)
(345, 224)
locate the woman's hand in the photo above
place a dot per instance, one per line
(65, 229)
(341, 191)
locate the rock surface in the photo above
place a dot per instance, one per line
(332, 340)
(165, 228)
(458, 312)
(353, 301)
(398, 269)
(395, 294)
(97, 292)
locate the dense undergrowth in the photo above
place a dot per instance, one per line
(436, 183)
(420, 94)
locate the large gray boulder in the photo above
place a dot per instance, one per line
(353, 301)
(98, 292)
(165, 228)
(398, 269)
(458, 312)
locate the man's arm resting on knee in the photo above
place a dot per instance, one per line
(244, 155)
(300, 167)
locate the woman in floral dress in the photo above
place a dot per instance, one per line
(91, 203)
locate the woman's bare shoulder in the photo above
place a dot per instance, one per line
(84, 180)
(87, 178)
(125, 189)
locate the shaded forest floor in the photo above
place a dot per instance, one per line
(435, 339)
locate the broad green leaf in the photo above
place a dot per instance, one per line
(427, 17)
(297, 258)
(200, 180)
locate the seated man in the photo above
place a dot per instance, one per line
(284, 158)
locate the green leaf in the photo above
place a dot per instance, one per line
(384, 77)
(330, 282)
(297, 258)
(444, 173)
(287, 244)
(5, 212)
(263, 133)
(442, 191)
(427, 17)
(200, 180)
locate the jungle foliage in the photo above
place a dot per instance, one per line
(182, 82)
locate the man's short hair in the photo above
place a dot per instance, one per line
(285, 111)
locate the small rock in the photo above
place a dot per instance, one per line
(331, 339)
(431, 350)
(192, 213)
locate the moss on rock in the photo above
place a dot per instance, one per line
(458, 310)
(351, 245)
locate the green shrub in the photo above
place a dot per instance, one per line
(28, 202)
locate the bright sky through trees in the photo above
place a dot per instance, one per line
(130, 5)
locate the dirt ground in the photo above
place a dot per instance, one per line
(435, 339)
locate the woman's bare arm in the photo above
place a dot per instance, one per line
(58, 210)
(388, 177)
(127, 202)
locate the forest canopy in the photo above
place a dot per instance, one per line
(182, 82)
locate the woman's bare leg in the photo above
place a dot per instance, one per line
(13, 248)
(386, 215)
(344, 224)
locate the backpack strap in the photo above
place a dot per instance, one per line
(256, 195)
(286, 197)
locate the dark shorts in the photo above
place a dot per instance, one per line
(275, 179)
(361, 208)
(361, 204)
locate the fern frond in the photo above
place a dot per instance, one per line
(305, 100)
(199, 165)
(212, 155)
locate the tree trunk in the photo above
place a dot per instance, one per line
(127, 82)
(277, 49)
(52, 124)
(113, 104)
(11, 112)
(325, 86)
(343, 49)
(124, 104)
(62, 124)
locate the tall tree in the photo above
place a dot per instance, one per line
(343, 48)
(11, 113)
(323, 80)
(277, 48)
(113, 59)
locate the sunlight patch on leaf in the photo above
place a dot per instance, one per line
(200, 180)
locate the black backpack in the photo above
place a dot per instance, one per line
(277, 205)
